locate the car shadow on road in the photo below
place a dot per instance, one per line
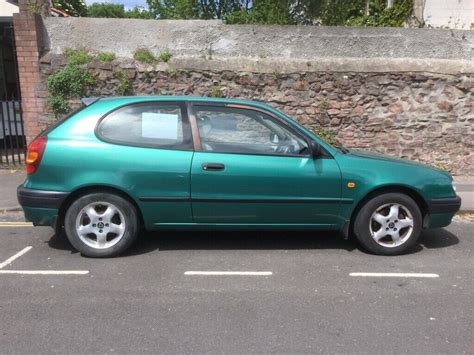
(225, 240)
(253, 240)
(60, 242)
(243, 240)
(437, 238)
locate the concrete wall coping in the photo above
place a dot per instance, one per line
(212, 45)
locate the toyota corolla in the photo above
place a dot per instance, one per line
(120, 165)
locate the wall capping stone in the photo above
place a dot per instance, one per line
(341, 65)
(202, 44)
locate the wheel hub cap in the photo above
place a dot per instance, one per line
(391, 225)
(100, 225)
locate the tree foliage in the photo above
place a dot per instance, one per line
(381, 16)
(117, 11)
(195, 9)
(325, 12)
(281, 12)
(71, 7)
(79, 8)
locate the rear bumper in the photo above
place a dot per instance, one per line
(40, 198)
(41, 207)
(444, 205)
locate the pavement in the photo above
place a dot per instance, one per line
(304, 295)
(10, 179)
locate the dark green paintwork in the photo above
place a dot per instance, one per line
(311, 193)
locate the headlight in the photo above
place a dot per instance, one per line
(454, 187)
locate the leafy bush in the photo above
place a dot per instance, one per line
(325, 135)
(215, 92)
(145, 56)
(106, 57)
(72, 81)
(165, 56)
(59, 105)
(77, 56)
(124, 87)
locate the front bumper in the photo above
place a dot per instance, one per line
(444, 205)
(40, 198)
(441, 211)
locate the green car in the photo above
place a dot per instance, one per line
(122, 164)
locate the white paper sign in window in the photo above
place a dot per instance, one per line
(160, 125)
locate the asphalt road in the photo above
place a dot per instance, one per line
(144, 302)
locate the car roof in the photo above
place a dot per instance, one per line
(121, 100)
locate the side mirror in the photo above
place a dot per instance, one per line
(316, 150)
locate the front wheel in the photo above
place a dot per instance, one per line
(101, 224)
(388, 224)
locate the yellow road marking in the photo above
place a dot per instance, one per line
(16, 224)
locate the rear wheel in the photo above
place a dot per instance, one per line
(101, 224)
(388, 224)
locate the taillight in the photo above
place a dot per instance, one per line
(35, 153)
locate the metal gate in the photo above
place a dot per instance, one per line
(12, 133)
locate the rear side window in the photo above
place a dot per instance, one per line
(158, 125)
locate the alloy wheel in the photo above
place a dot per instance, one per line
(100, 225)
(391, 225)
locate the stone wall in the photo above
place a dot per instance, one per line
(403, 92)
(424, 117)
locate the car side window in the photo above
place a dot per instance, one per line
(232, 130)
(160, 125)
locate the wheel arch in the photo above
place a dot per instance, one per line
(85, 190)
(415, 195)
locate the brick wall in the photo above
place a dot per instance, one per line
(27, 38)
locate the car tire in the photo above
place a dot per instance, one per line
(101, 225)
(388, 224)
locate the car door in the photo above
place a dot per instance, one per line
(150, 151)
(251, 167)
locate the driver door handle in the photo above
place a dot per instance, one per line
(213, 166)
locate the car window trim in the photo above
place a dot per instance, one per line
(188, 142)
(198, 148)
(301, 134)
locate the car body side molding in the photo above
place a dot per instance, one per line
(253, 200)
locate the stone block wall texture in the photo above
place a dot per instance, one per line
(406, 93)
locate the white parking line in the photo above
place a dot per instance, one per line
(229, 273)
(17, 255)
(392, 274)
(36, 272)
(45, 272)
